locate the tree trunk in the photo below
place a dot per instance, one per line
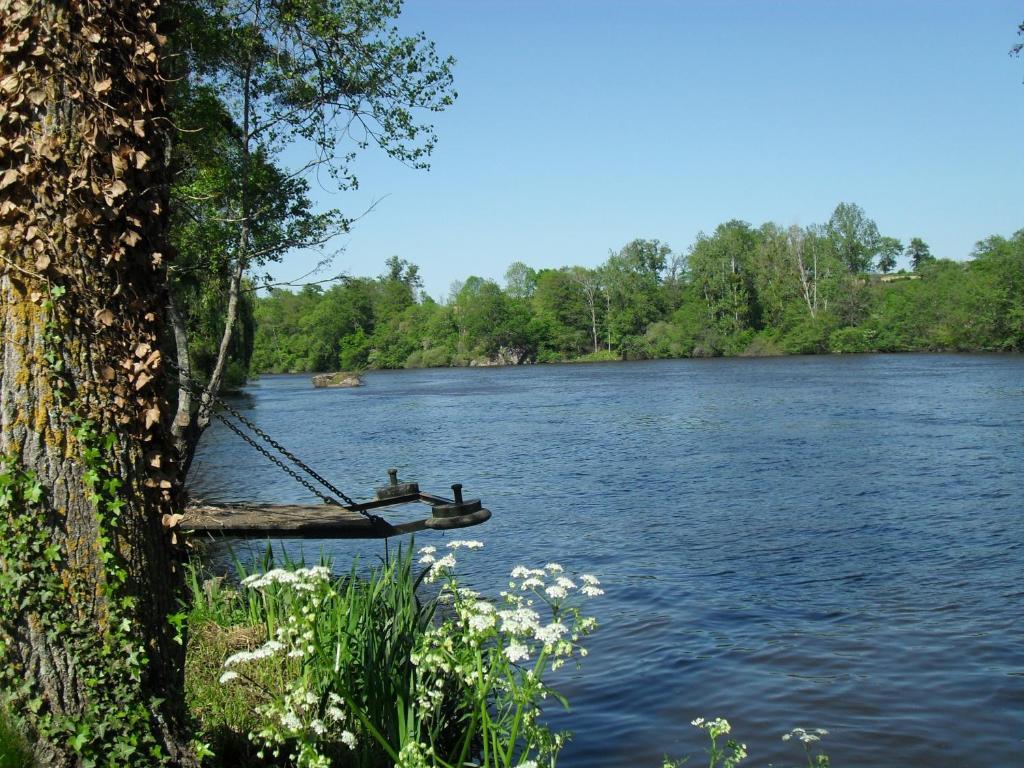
(87, 571)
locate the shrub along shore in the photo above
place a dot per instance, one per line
(395, 665)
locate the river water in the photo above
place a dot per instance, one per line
(833, 542)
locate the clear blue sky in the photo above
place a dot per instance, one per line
(582, 125)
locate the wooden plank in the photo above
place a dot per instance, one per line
(286, 521)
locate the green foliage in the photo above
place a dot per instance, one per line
(919, 253)
(362, 671)
(743, 291)
(116, 727)
(14, 748)
(251, 79)
(854, 236)
(888, 249)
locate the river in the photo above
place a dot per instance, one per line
(833, 541)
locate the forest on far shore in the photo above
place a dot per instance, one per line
(741, 290)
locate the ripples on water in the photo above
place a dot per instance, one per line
(828, 542)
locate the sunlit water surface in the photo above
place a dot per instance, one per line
(828, 542)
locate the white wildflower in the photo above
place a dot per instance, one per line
(465, 544)
(715, 728)
(806, 736)
(587, 578)
(555, 592)
(553, 568)
(426, 550)
(565, 582)
(448, 561)
(520, 572)
(552, 633)
(349, 739)
(227, 677)
(531, 583)
(519, 620)
(516, 652)
(481, 622)
(590, 591)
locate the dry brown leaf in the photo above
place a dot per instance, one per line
(142, 380)
(141, 158)
(42, 261)
(104, 316)
(152, 417)
(107, 374)
(116, 189)
(143, 349)
(10, 176)
(37, 96)
(103, 85)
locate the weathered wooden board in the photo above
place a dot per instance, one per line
(286, 521)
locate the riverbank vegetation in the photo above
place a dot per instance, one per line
(398, 664)
(741, 290)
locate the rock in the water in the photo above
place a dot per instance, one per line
(339, 379)
(505, 356)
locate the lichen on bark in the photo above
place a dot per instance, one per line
(88, 463)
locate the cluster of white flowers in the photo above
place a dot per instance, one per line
(265, 651)
(501, 651)
(805, 735)
(493, 656)
(465, 544)
(438, 565)
(717, 727)
(536, 580)
(304, 579)
(295, 720)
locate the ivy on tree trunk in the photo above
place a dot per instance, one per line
(88, 489)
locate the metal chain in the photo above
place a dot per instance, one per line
(283, 451)
(199, 391)
(271, 457)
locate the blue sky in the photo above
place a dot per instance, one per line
(582, 125)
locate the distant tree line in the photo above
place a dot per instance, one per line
(742, 290)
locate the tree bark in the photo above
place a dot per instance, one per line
(83, 217)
